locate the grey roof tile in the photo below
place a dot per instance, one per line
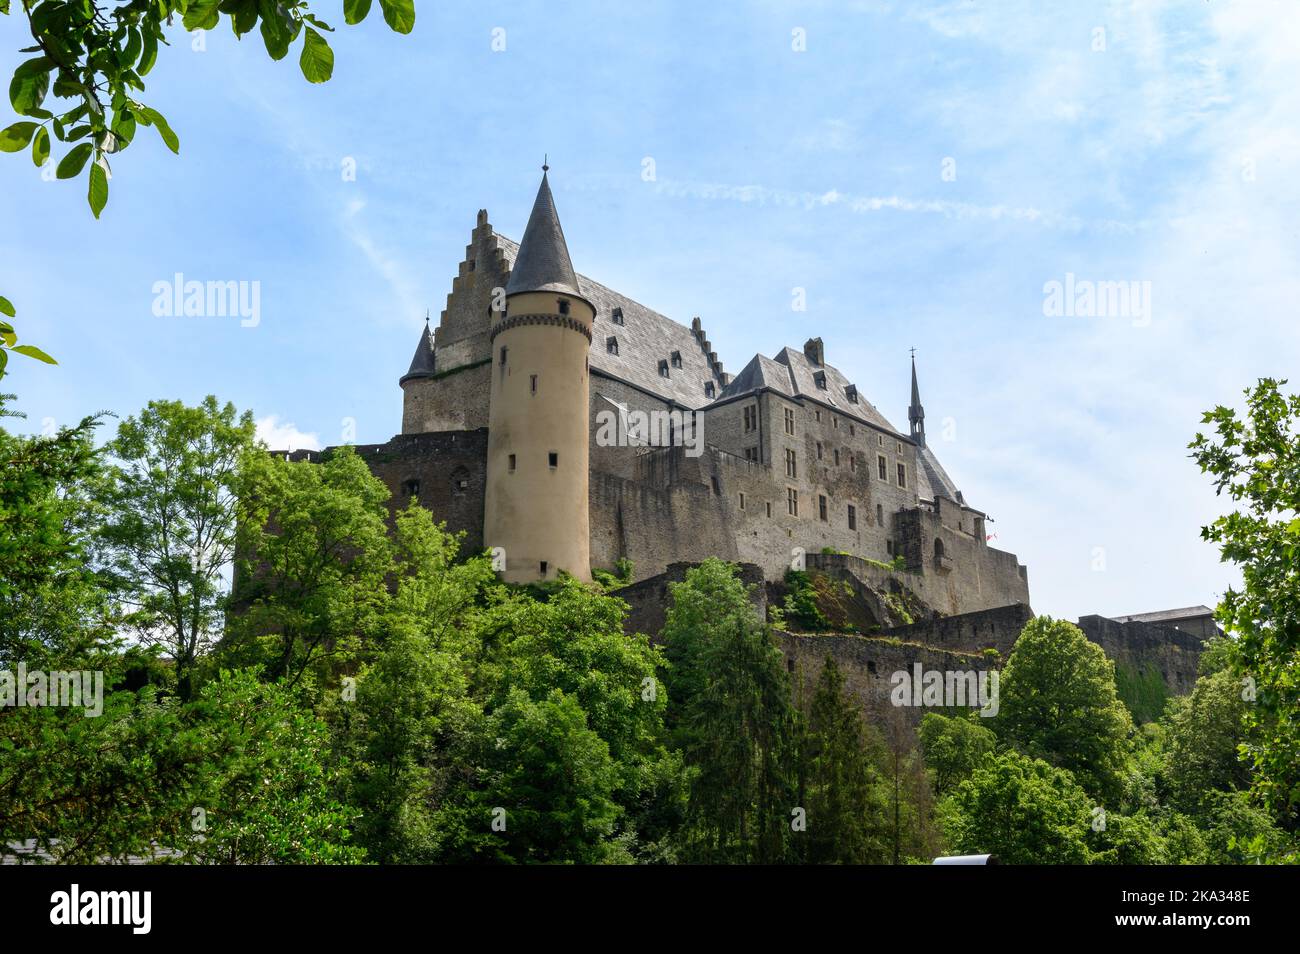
(644, 339)
(542, 259)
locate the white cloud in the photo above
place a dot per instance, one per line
(284, 435)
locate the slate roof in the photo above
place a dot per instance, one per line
(932, 480)
(644, 339)
(1162, 616)
(542, 259)
(422, 362)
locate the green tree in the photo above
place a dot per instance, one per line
(95, 59)
(954, 746)
(168, 522)
(1022, 810)
(1206, 732)
(1058, 703)
(736, 720)
(313, 555)
(843, 790)
(1254, 459)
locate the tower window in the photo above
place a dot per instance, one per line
(532, 383)
(564, 305)
(717, 487)
(789, 420)
(459, 481)
(663, 369)
(792, 501)
(882, 466)
(411, 488)
(819, 450)
(503, 355)
(821, 507)
(553, 460)
(902, 475)
(751, 453)
(751, 417)
(837, 457)
(853, 517)
(880, 515)
(677, 359)
(817, 415)
(742, 501)
(791, 465)
(542, 566)
(617, 316)
(853, 462)
(512, 463)
(768, 504)
(611, 345)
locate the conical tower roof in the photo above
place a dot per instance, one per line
(422, 364)
(543, 261)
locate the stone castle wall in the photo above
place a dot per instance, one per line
(1147, 649)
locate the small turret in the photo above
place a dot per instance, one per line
(916, 413)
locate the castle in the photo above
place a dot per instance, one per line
(568, 427)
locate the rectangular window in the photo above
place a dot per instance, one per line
(503, 355)
(611, 344)
(769, 510)
(663, 369)
(837, 457)
(902, 475)
(532, 383)
(751, 453)
(553, 460)
(792, 501)
(883, 466)
(853, 462)
(819, 450)
(853, 517)
(742, 501)
(618, 316)
(818, 415)
(677, 359)
(751, 417)
(791, 468)
(512, 463)
(542, 567)
(789, 420)
(821, 507)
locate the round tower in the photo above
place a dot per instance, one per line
(537, 470)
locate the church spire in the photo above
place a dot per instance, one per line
(542, 263)
(916, 413)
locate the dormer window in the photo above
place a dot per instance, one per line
(820, 378)
(851, 392)
(677, 359)
(617, 316)
(708, 389)
(564, 305)
(663, 369)
(611, 345)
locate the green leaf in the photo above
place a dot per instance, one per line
(201, 15)
(275, 32)
(34, 352)
(149, 54)
(152, 117)
(399, 14)
(317, 59)
(6, 306)
(133, 46)
(30, 84)
(354, 11)
(4, 359)
(41, 147)
(16, 137)
(70, 166)
(98, 194)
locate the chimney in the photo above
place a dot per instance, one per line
(815, 351)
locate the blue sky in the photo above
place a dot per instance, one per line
(1171, 156)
